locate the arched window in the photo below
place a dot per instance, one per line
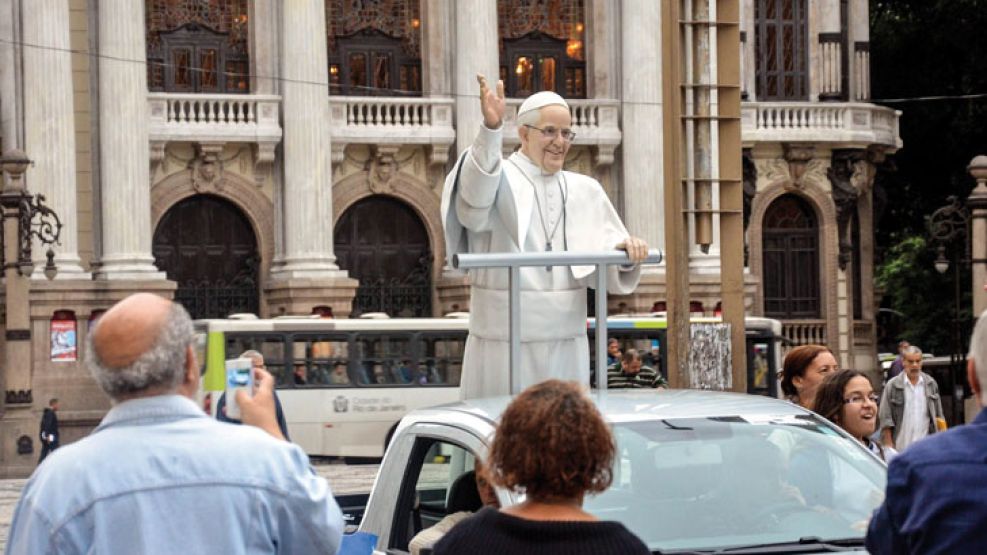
(197, 46)
(542, 47)
(781, 49)
(382, 242)
(207, 245)
(374, 47)
(791, 260)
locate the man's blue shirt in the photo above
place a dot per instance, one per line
(936, 495)
(159, 476)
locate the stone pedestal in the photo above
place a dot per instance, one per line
(82, 402)
(298, 296)
(452, 292)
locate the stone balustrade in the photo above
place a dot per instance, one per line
(851, 124)
(214, 117)
(803, 332)
(392, 121)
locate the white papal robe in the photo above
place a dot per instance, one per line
(493, 208)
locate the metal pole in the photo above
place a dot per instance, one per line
(515, 261)
(515, 324)
(601, 327)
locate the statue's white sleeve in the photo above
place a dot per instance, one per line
(479, 180)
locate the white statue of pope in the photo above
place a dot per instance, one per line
(528, 203)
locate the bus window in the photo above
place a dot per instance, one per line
(647, 342)
(385, 359)
(320, 360)
(442, 360)
(271, 346)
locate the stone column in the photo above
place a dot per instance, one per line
(476, 34)
(49, 133)
(307, 186)
(977, 204)
(603, 46)
(641, 117)
(437, 48)
(476, 52)
(305, 271)
(8, 77)
(263, 46)
(859, 55)
(125, 189)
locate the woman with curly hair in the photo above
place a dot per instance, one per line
(553, 445)
(803, 370)
(847, 399)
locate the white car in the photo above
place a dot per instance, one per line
(696, 472)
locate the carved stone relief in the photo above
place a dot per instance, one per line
(850, 177)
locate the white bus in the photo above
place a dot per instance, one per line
(344, 384)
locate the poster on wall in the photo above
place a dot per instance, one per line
(63, 345)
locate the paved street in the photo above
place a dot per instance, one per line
(343, 479)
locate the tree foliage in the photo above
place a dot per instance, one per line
(922, 308)
(926, 48)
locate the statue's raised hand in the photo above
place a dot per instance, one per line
(492, 103)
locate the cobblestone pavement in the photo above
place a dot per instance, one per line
(342, 478)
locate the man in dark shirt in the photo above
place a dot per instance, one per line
(898, 364)
(936, 489)
(630, 372)
(49, 429)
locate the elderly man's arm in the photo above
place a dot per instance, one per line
(309, 521)
(883, 534)
(30, 531)
(259, 410)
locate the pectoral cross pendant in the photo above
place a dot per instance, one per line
(548, 248)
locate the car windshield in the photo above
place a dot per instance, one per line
(722, 482)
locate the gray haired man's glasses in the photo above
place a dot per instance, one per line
(568, 135)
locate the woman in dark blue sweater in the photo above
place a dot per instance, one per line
(553, 445)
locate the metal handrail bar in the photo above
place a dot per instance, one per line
(515, 261)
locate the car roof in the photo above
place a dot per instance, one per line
(647, 404)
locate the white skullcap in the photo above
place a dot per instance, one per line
(541, 99)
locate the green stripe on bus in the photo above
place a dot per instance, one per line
(215, 378)
(651, 324)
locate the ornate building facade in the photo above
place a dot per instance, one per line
(280, 157)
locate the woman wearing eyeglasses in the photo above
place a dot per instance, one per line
(848, 400)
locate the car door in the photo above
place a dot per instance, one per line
(410, 493)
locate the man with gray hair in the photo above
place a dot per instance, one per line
(910, 405)
(936, 489)
(158, 475)
(528, 203)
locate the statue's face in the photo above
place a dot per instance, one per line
(543, 143)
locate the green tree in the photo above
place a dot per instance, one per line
(927, 48)
(922, 297)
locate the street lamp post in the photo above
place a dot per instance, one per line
(26, 218)
(948, 225)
